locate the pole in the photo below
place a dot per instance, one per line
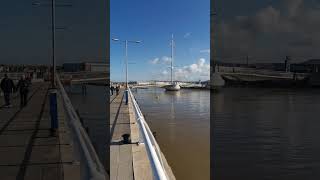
(126, 49)
(171, 57)
(53, 24)
(53, 90)
(126, 91)
(247, 61)
(212, 36)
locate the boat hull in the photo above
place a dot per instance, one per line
(172, 87)
(262, 80)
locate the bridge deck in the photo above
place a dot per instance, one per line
(128, 161)
(120, 154)
(27, 150)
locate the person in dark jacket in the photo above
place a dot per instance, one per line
(7, 86)
(112, 89)
(117, 89)
(23, 87)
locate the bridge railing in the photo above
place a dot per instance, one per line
(84, 152)
(152, 147)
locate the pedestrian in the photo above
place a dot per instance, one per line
(112, 89)
(117, 90)
(7, 86)
(23, 87)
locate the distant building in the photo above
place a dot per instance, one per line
(73, 67)
(85, 66)
(133, 82)
(143, 83)
(96, 67)
(309, 66)
(313, 64)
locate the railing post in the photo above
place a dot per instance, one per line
(83, 150)
(126, 95)
(84, 170)
(53, 110)
(152, 147)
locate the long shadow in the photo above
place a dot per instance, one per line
(36, 145)
(27, 155)
(15, 96)
(39, 163)
(116, 119)
(16, 113)
(113, 99)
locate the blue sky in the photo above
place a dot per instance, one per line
(25, 32)
(153, 22)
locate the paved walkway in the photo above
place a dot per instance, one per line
(27, 150)
(120, 154)
(128, 161)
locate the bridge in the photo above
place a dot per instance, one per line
(134, 151)
(253, 76)
(73, 78)
(30, 150)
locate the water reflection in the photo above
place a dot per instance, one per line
(181, 121)
(92, 109)
(273, 132)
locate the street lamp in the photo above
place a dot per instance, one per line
(53, 90)
(126, 54)
(126, 59)
(53, 32)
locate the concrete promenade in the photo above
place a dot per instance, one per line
(128, 161)
(27, 149)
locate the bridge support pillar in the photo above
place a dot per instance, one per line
(84, 89)
(126, 96)
(53, 110)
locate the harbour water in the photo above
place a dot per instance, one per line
(261, 133)
(92, 110)
(181, 121)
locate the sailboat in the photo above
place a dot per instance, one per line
(173, 86)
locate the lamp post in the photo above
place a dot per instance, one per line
(212, 33)
(126, 59)
(53, 89)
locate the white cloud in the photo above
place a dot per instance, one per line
(154, 61)
(163, 60)
(272, 33)
(165, 72)
(199, 70)
(294, 6)
(205, 51)
(186, 35)
(166, 60)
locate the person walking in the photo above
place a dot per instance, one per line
(7, 86)
(117, 90)
(112, 89)
(23, 87)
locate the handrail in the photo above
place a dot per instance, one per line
(152, 146)
(90, 165)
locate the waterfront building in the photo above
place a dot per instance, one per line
(85, 66)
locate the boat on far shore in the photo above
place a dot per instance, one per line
(257, 79)
(173, 86)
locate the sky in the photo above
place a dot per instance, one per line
(153, 22)
(267, 31)
(25, 31)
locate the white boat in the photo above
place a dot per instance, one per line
(173, 86)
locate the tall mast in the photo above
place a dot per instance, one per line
(172, 44)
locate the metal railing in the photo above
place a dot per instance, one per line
(152, 147)
(84, 152)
